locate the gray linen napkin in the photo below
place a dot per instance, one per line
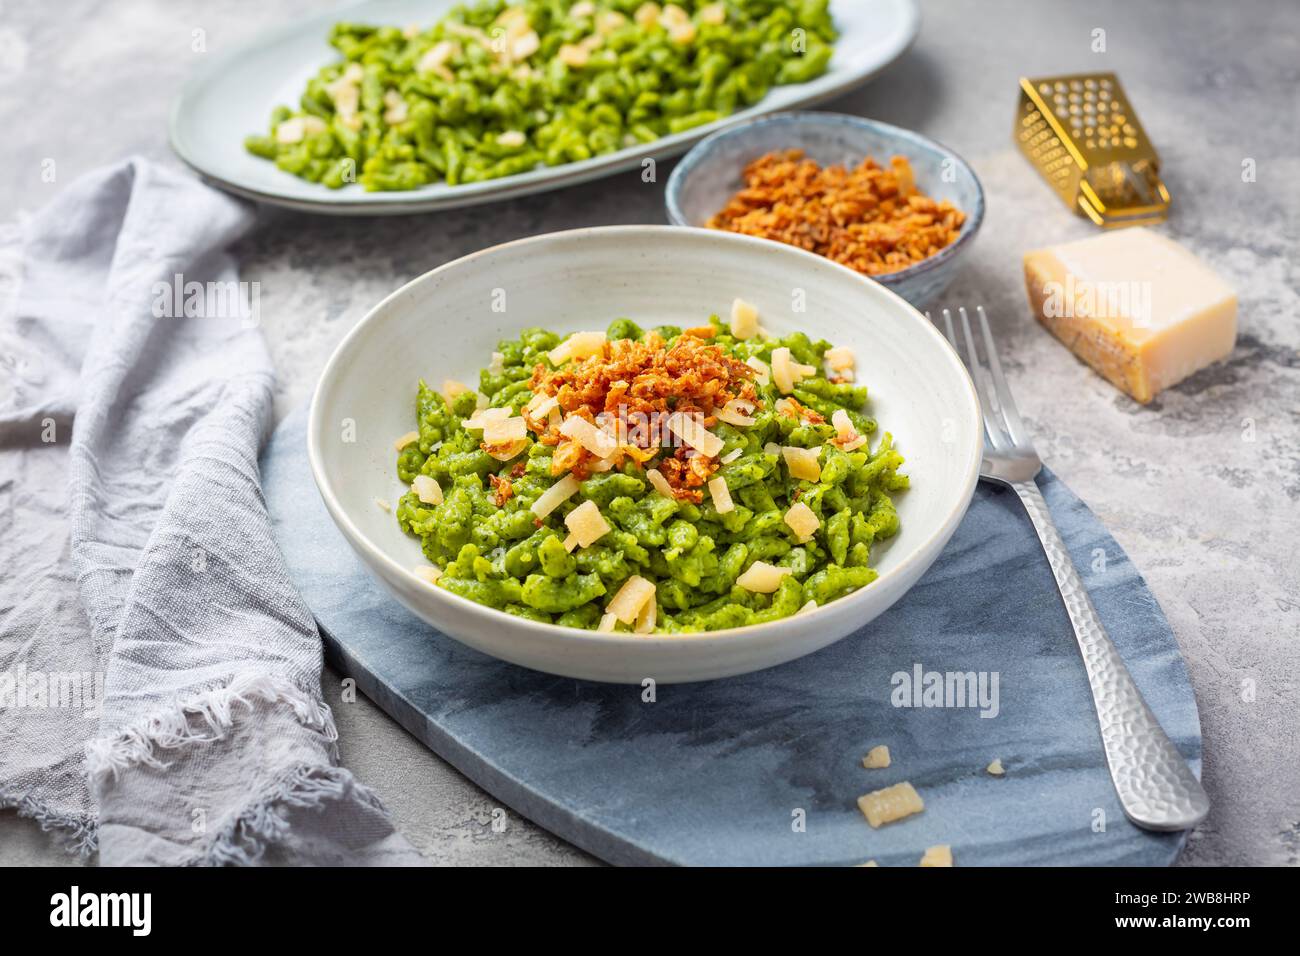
(159, 675)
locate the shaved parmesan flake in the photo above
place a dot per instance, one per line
(995, 768)
(807, 608)
(786, 372)
(646, 617)
(721, 495)
(762, 578)
(803, 463)
(554, 496)
(451, 388)
(840, 358)
(764, 375)
(731, 456)
(783, 370)
(427, 572)
(587, 523)
(714, 13)
(540, 405)
(570, 542)
(855, 444)
(599, 443)
(785, 406)
(607, 622)
(890, 804)
(744, 320)
(802, 521)
(631, 597)
(940, 855)
(773, 449)
(498, 363)
(688, 429)
(843, 425)
(877, 758)
(482, 416)
(504, 451)
(869, 863)
(579, 345)
(737, 412)
(501, 430)
(406, 439)
(384, 503)
(427, 490)
(660, 483)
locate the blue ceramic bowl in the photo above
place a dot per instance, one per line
(711, 173)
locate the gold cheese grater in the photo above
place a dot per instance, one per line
(1081, 133)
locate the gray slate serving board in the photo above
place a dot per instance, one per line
(721, 773)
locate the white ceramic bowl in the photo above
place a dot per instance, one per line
(446, 323)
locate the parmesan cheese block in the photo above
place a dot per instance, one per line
(1140, 309)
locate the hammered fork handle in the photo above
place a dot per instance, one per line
(1156, 787)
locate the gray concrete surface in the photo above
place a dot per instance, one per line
(1202, 488)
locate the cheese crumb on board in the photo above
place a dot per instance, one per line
(940, 855)
(995, 768)
(1139, 308)
(384, 504)
(877, 758)
(890, 804)
(869, 863)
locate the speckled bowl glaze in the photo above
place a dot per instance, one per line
(711, 172)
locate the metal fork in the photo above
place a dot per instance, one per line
(1156, 787)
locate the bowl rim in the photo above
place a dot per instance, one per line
(361, 542)
(701, 150)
